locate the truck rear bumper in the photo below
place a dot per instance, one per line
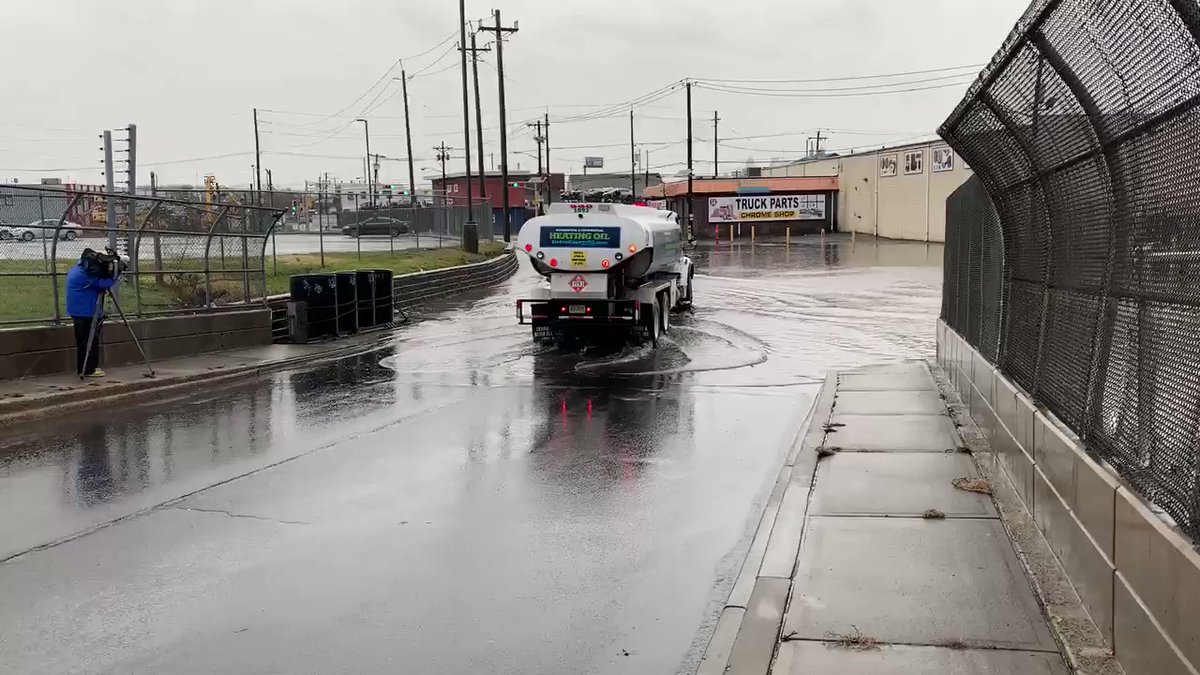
(543, 312)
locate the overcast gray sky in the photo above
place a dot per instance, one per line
(188, 72)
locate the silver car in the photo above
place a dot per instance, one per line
(41, 229)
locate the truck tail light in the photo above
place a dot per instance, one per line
(633, 248)
(604, 264)
(554, 262)
(528, 248)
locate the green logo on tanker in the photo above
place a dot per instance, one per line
(581, 237)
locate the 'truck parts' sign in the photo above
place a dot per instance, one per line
(766, 207)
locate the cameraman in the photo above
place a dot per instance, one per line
(86, 283)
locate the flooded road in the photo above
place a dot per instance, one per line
(459, 501)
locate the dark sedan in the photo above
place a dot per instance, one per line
(376, 225)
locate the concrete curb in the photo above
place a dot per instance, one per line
(159, 389)
(748, 628)
(1081, 643)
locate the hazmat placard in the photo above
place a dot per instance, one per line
(767, 207)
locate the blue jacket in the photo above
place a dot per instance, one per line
(84, 291)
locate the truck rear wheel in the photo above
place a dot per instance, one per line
(655, 324)
(665, 313)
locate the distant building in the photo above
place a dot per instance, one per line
(525, 190)
(591, 181)
(897, 192)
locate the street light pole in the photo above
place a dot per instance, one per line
(367, 135)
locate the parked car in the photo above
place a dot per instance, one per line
(44, 229)
(5, 231)
(376, 225)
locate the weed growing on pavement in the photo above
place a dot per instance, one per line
(980, 485)
(933, 514)
(854, 640)
(952, 643)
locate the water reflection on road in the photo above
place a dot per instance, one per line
(601, 500)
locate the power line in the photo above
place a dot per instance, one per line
(975, 66)
(881, 85)
(782, 94)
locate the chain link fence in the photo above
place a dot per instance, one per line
(1073, 261)
(184, 256)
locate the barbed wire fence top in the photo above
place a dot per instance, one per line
(184, 256)
(1073, 261)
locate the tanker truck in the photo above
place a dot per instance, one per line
(615, 270)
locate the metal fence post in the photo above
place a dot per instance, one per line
(208, 256)
(358, 234)
(42, 224)
(134, 255)
(54, 257)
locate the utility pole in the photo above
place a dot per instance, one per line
(442, 156)
(367, 166)
(110, 188)
(257, 159)
(470, 235)
(537, 125)
(688, 205)
(546, 138)
(130, 204)
(632, 159)
(412, 182)
(375, 169)
(814, 144)
(716, 166)
(500, 31)
(646, 168)
(478, 114)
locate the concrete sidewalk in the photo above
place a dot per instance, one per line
(26, 399)
(893, 569)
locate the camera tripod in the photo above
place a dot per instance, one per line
(96, 326)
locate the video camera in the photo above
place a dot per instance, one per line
(107, 264)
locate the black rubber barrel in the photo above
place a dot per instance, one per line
(347, 302)
(384, 310)
(319, 292)
(365, 286)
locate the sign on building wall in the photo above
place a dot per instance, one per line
(943, 159)
(887, 165)
(914, 161)
(768, 207)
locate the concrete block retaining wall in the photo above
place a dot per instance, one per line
(1138, 576)
(44, 350)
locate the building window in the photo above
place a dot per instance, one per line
(914, 161)
(943, 159)
(887, 165)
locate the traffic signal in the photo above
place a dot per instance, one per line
(295, 205)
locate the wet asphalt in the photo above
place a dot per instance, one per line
(459, 501)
